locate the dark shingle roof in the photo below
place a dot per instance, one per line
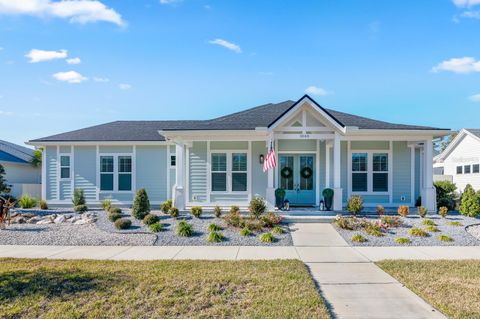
(260, 116)
(23, 153)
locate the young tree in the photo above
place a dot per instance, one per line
(4, 187)
(470, 205)
(37, 158)
(141, 204)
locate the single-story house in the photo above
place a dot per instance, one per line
(20, 174)
(460, 161)
(219, 161)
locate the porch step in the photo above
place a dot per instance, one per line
(307, 218)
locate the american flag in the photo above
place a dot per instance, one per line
(270, 161)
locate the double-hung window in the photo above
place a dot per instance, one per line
(370, 172)
(459, 169)
(229, 172)
(475, 168)
(65, 166)
(115, 173)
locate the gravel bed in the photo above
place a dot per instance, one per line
(69, 235)
(474, 230)
(459, 233)
(168, 236)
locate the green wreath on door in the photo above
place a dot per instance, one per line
(306, 172)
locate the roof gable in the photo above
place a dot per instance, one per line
(15, 153)
(474, 133)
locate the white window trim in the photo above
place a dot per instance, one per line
(116, 173)
(228, 172)
(370, 171)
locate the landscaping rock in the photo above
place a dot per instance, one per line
(18, 220)
(60, 219)
(45, 221)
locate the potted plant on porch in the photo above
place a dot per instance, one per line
(328, 198)
(279, 197)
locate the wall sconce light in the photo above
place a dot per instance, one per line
(261, 158)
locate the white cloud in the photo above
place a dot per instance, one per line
(5, 112)
(40, 55)
(70, 77)
(170, 1)
(74, 61)
(315, 90)
(124, 86)
(102, 80)
(229, 45)
(76, 11)
(471, 14)
(474, 98)
(466, 3)
(458, 65)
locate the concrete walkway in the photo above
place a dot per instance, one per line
(352, 284)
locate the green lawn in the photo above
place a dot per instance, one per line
(32, 288)
(453, 287)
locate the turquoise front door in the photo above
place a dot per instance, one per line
(297, 177)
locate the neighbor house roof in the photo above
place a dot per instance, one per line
(260, 116)
(10, 152)
(474, 132)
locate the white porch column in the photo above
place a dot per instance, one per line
(429, 200)
(270, 193)
(179, 187)
(337, 198)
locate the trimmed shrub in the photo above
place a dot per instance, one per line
(443, 211)
(233, 218)
(252, 224)
(174, 212)
(26, 201)
(432, 229)
(80, 208)
(345, 223)
(418, 232)
(446, 194)
(234, 209)
(106, 204)
(115, 210)
(403, 210)
(470, 202)
(123, 223)
(429, 222)
(402, 240)
(257, 207)
(444, 238)
(184, 229)
(215, 237)
(114, 216)
(391, 221)
(43, 204)
(245, 232)
(78, 197)
(196, 211)
(214, 227)
(358, 238)
(156, 227)
(217, 211)
(150, 219)
(271, 219)
(373, 229)
(455, 223)
(277, 230)
(141, 204)
(355, 204)
(267, 238)
(422, 211)
(166, 205)
(380, 210)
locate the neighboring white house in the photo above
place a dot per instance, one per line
(20, 174)
(460, 161)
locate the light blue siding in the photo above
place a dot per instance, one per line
(417, 173)
(120, 197)
(65, 149)
(232, 145)
(376, 199)
(401, 172)
(115, 149)
(85, 171)
(229, 198)
(151, 174)
(297, 145)
(198, 172)
(322, 164)
(369, 145)
(65, 189)
(51, 170)
(259, 177)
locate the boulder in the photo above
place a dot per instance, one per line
(18, 220)
(45, 221)
(81, 222)
(59, 219)
(34, 220)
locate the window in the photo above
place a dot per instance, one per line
(65, 166)
(124, 173)
(466, 169)
(370, 172)
(359, 172)
(219, 172)
(224, 165)
(106, 173)
(476, 168)
(459, 169)
(380, 172)
(116, 173)
(173, 160)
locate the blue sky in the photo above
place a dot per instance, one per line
(410, 61)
